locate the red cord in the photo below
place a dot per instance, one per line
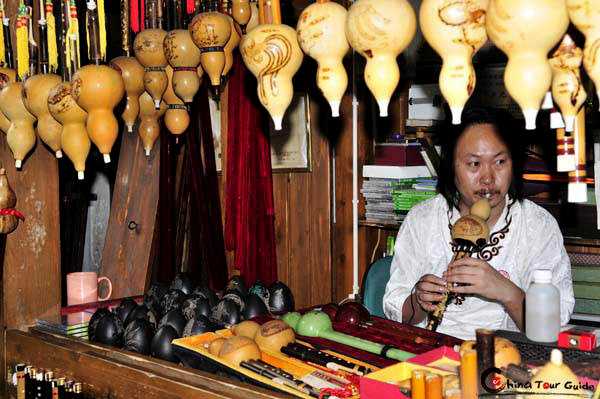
(13, 212)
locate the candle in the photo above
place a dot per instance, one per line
(468, 374)
(433, 386)
(417, 384)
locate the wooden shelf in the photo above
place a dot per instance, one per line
(379, 225)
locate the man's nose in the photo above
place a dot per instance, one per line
(487, 175)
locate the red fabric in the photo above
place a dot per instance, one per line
(190, 6)
(134, 16)
(250, 214)
(166, 206)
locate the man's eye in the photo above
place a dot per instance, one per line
(473, 164)
(500, 161)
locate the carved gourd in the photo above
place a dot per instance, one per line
(74, 140)
(526, 30)
(98, 89)
(456, 31)
(271, 52)
(585, 15)
(183, 55)
(210, 32)
(148, 48)
(380, 30)
(6, 76)
(321, 34)
(149, 128)
(241, 12)
(232, 43)
(132, 73)
(8, 200)
(20, 135)
(177, 118)
(35, 98)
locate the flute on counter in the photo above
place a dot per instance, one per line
(306, 353)
(469, 234)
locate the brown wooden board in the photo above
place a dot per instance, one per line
(126, 257)
(111, 373)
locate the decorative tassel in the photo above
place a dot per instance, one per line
(134, 15)
(2, 54)
(22, 42)
(190, 7)
(102, 28)
(73, 36)
(51, 25)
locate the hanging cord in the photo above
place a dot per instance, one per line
(376, 246)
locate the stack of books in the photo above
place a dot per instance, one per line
(409, 192)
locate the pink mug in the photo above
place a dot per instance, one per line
(82, 287)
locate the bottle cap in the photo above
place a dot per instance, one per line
(542, 276)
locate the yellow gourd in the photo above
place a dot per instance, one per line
(20, 135)
(321, 34)
(456, 31)
(183, 55)
(241, 12)
(526, 30)
(556, 373)
(253, 23)
(380, 30)
(6, 76)
(148, 48)
(177, 118)
(132, 73)
(149, 129)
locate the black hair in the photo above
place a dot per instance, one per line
(507, 130)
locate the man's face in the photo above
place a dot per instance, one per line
(482, 166)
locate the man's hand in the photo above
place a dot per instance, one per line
(430, 289)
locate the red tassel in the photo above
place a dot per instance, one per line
(190, 7)
(134, 9)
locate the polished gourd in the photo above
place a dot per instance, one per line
(9, 217)
(322, 36)
(132, 73)
(148, 48)
(98, 89)
(177, 118)
(585, 15)
(456, 31)
(210, 32)
(272, 53)
(20, 134)
(183, 55)
(241, 13)
(253, 23)
(7, 75)
(232, 43)
(74, 140)
(149, 128)
(526, 30)
(380, 30)
(35, 98)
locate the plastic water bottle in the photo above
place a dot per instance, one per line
(542, 308)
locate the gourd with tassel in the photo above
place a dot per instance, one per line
(132, 73)
(379, 30)
(177, 118)
(322, 36)
(149, 128)
(183, 55)
(272, 53)
(9, 216)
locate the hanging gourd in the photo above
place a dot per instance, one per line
(210, 32)
(585, 15)
(20, 134)
(232, 43)
(149, 128)
(177, 118)
(322, 36)
(569, 94)
(74, 140)
(380, 30)
(132, 73)
(183, 55)
(98, 89)
(272, 53)
(526, 30)
(9, 216)
(241, 12)
(456, 31)
(6, 76)
(148, 49)
(253, 23)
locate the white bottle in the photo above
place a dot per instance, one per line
(542, 308)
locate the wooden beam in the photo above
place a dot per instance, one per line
(126, 258)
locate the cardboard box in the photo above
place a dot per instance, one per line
(442, 358)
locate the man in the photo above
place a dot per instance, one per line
(480, 158)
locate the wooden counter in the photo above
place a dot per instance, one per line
(113, 373)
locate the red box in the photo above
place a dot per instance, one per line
(576, 339)
(398, 154)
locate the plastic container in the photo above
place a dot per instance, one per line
(542, 308)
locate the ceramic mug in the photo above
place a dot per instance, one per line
(82, 287)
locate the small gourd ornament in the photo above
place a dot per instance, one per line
(177, 118)
(241, 12)
(20, 134)
(6, 76)
(35, 98)
(322, 36)
(132, 73)
(183, 55)
(456, 31)
(526, 30)
(585, 15)
(149, 128)
(558, 375)
(9, 216)
(74, 140)
(272, 53)
(148, 48)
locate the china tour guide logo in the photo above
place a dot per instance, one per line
(495, 385)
